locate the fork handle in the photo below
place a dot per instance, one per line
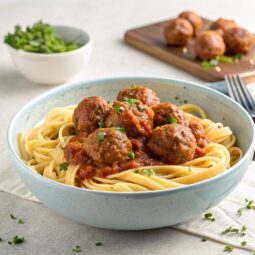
(218, 85)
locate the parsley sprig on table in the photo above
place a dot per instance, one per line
(39, 38)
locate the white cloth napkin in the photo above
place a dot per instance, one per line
(225, 212)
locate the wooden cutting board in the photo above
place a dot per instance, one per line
(150, 39)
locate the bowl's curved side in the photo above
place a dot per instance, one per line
(142, 210)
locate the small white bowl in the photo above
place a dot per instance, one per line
(55, 68)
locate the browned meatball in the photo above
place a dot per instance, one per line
(199, 133)
(238, 40)
(144, 95)
(208, 45)
(178, 32)
(194, 20)
(167, 113)
(136, 119)
(173, 143)
(221, 25)
(107, 145)
(89, 112)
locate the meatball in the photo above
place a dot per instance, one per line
(106, 146)
(194, 20)
(178, 32)
(89, 112)
(167, 113)
(199, 134)
(208, 45)
(136, 119)
(144, 95)
(173, 143)
(238, 40)
(221, 25)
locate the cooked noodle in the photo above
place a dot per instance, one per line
(42, 150)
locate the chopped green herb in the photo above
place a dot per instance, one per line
(133, 86)
(171, 120)
(177, 98)
(132, 101)
(131, 155)
(77, 249)
(9, 242)
(39, 38)
(121, 129)
(101, 124)
(141, 108)
(204, 239)
(243, 230)
(237, 57)
(13, 217)
(1, 239)
(118, 109)
(230, 230)
(209, 64)
(149, 172)
(243, 243)
(189, 169)
(136, 171)
(20, 221)
(63, 166)
(249, 205)
(18, 240)
(185, 101)
(209, 216)
(228, 248)
(101, 136)
(99, 244)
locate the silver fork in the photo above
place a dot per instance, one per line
(238, 91)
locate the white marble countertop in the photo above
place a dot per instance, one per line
(106, 20)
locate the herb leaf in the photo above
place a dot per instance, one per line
(209, 216)
(101, 136)
(131, 101)
(228, 248)
(20, 221)
(148, 172)
(99, 244)
(13, 217)
(249, 205)
(209, 64)
(63, 166)
(17, 240)
(121, 129)
(77, 249)
(101, 124)
(131, 155)
(243, 243)
(204, 239)
(171, 120)
(230, 230)
(118, 109)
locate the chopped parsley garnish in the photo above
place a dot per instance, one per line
(63, 166)
(121, 129)
(101, 124)
(133, 86)
(39, 38)
(131, 155)
(177, 98)
(249, 205)
(141, 108)
(20, 221)
(77, 249)
(171, 120)
(99, 244)
(18, 240)
(209, 64)
(13, 217)
(149, 172)
(209, 216)
(185, 101)
(204, 239)
(230, 230)
(1, 239)
(189, 169)
(228, 248)
(9, 242)
(101, 136)
(136, 171)
(132, 101)
(118, 109)
(243, 243)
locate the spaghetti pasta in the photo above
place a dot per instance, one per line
(42, 150)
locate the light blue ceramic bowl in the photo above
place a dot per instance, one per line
(144, 210)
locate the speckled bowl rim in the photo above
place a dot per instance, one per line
(54, 91)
